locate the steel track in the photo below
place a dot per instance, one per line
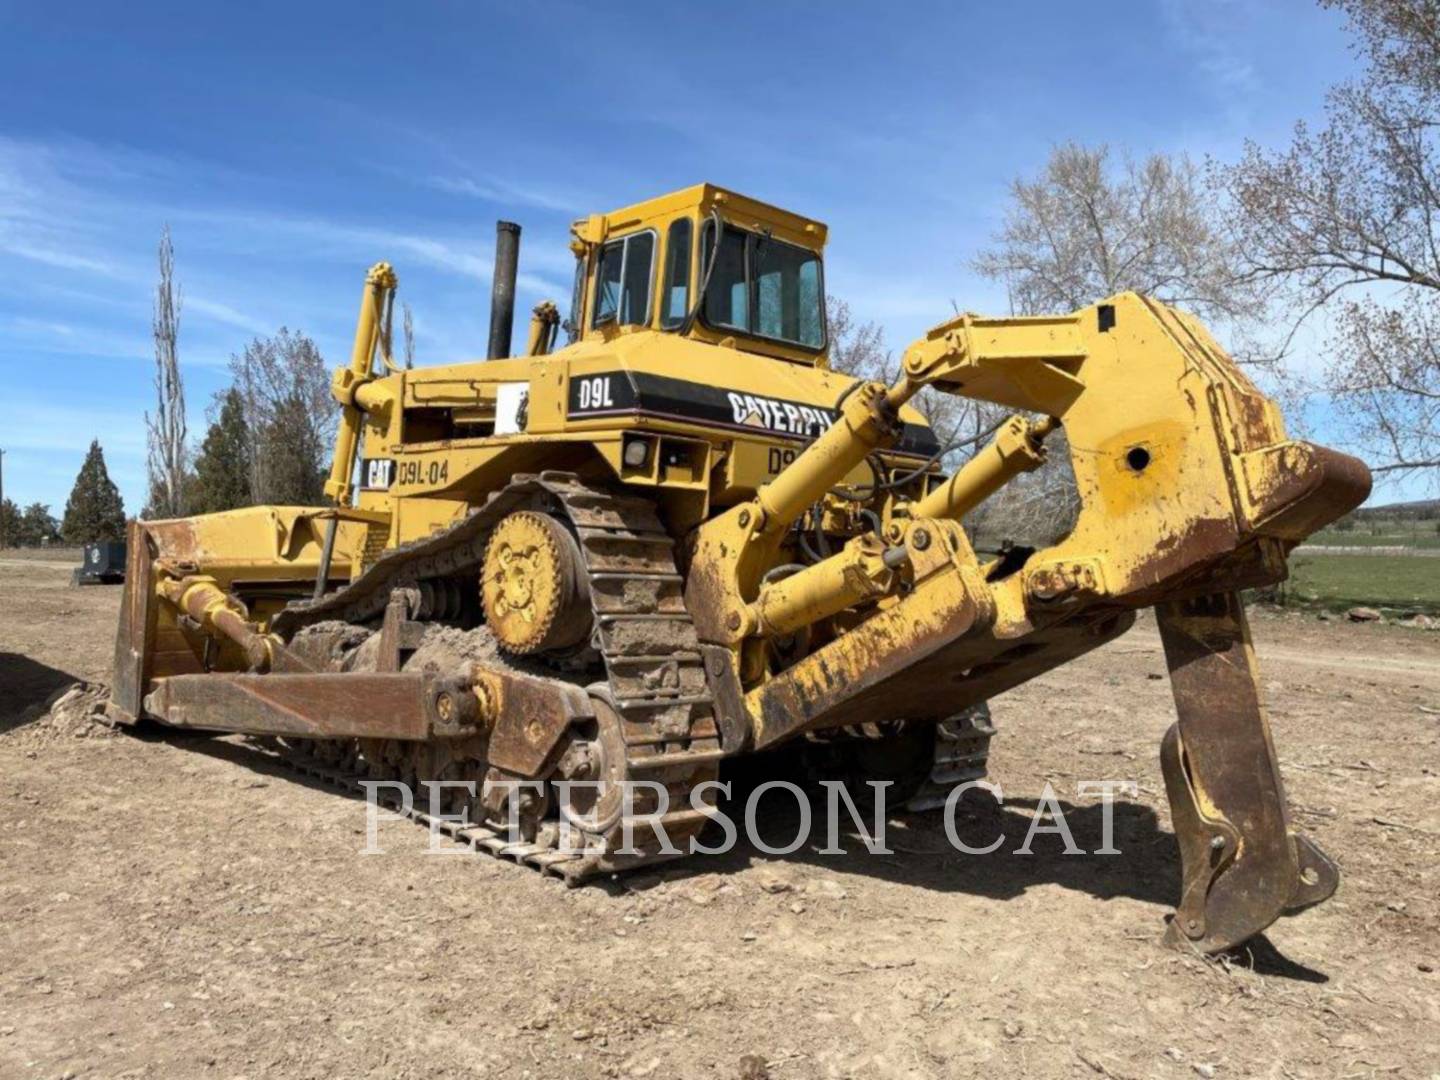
(655, 684)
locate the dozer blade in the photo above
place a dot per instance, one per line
(1242, 866)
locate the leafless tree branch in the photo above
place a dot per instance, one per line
(166, 459)
(1344, 221)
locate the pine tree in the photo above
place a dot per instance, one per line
(94, 511)
(222, 470)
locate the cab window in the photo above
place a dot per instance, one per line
(676, 303)
(622, 281)
(575, 322)
(727, 299)
(787, 293)
(765, 287)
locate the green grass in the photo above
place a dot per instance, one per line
(1419, 534)
(1336, 582)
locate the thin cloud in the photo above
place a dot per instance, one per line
(56, 257)
(475, 262)
(1208, 32)
(38, 426)
(24, 325)
(51, 337)
(436, 253)
(223, 313)
(42, 214)
(504, 193)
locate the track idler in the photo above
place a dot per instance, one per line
(1242, 865)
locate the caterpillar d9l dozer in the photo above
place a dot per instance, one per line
(680, 538)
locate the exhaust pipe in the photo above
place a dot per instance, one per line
(502, 288)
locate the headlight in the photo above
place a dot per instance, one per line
(637, 453)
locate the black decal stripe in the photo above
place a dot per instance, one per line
(642, 394)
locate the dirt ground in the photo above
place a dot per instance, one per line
(181, 909)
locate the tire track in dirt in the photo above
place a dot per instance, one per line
(1144, 641)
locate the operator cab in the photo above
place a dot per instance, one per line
(641, 268)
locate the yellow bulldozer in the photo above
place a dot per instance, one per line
(608, 566)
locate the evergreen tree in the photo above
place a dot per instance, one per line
(94, 511)
(9, 524)
(38, 526)
(222, 471)
(285, 385)
(293, 454)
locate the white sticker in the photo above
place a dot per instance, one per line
(511, 402)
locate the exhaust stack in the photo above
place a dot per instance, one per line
(502, 288)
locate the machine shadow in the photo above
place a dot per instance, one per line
(1261, 956)
(1147, 867)
(25, 686)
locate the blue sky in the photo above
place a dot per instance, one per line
(289, 146)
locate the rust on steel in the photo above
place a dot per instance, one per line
(532, 717)
(329, 705)
(1242, 865)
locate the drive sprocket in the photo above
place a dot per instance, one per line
(533, 586)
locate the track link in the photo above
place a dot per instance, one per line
(477, 836)
(655, 684)
(924, 761)
(962, 750)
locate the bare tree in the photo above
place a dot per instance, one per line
(408, 331)
(1087, 228)
(167, 455)
(1347, 221)
(1035, 509)
(1387, 368)
(859, 349)
(856, 348)
(290, 412)
(962, 426)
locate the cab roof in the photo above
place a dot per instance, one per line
(737, 209)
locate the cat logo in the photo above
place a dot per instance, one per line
(377, 474)
(786, 417)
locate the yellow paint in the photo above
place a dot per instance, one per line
(1175, 453)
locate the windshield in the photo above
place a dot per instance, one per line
(764, 287)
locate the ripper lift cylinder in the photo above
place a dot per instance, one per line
(860, 572)
(502, 288)
(864, 570)
(866, 423)
(1016, 449)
